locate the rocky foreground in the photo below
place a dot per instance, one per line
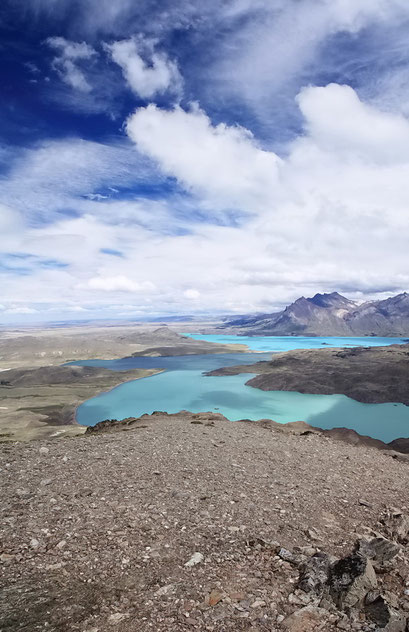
(372, 375)
(191, 522)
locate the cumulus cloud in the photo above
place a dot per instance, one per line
(147, 71)
(220, 161)
(360, 130)
(66, 62)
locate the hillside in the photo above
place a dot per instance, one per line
(190, 522)
(331, 315)
(48, 346)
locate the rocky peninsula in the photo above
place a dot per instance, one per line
(371, 375)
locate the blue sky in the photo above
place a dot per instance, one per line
(169, 157)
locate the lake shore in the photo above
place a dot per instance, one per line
(39, 397)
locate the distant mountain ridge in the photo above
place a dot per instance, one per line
(331, 315)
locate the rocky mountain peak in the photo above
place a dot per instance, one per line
(332, 299)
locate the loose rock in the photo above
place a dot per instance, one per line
(195, 559)
(350, 580)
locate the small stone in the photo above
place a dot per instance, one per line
(55, 567)
(195, 559)
(6, 557)
(313, 534)
(44, 450)
(214, 597)
(364, 503)
(116, 618)
(22, 493)
(308, 550)
(61, 544)
(258, 603)
(34, 543)
(287, 556)
(165, 590)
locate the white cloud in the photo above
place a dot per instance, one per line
(361, 130)
(273, 51)
(119, 283)
(146, 71)
(330, 215)
(222, 162)
(56, 175)
(71, 50)
(10, 221)
(65, 63)
(22, 309)
(191, 294)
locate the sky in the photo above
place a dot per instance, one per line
(162, 157)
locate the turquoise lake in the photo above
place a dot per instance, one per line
(289, 343)
(182, 385)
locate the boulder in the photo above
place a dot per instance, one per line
(378, 611)
(315, 573)
(396, 525)
(379, 550)
(308, 618)
(351, 578)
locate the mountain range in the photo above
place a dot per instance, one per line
(331, 315)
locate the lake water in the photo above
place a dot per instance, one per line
(276, 344)
(182, 386)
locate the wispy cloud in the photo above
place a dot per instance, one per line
(69, 55)
(148, 72)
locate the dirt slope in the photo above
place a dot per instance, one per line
(97, 530)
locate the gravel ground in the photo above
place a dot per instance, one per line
(97, 530)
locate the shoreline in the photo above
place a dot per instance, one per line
(143, 377)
